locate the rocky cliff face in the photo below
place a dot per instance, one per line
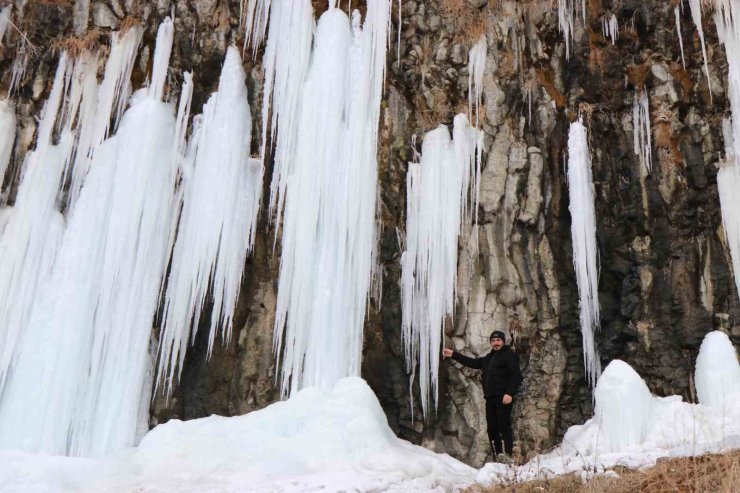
(666, 275)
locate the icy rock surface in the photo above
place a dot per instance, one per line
(334, 440)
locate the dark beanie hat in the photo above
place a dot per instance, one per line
(497, 334)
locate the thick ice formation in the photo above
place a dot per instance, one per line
(34, 229)
(585, 251)
(441, 193)
(728, 177)
(338, 440)
(642, 136)
(7, 137)
(633, 429)
(103, 102)
(610, 28)
(286, 60)
(717, 371)
(329, 229)
(623, 407)
(80, 382)
(476, 69)
(222, 190)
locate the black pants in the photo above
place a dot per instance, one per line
(498, 417)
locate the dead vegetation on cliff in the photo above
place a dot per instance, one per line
(709, 473)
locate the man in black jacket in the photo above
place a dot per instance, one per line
(501, 378)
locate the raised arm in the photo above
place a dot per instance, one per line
(476, 363)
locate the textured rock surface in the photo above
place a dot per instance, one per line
(665, 272)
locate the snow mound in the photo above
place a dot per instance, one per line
(329, 441)
(633, 428)
(623, 406)
(717, 370)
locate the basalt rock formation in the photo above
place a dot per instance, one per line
(665, 277)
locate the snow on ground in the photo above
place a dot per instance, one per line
(633, 428)
(333, 441)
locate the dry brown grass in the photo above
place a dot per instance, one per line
(74, 45)
(706, 474)
(468, 22)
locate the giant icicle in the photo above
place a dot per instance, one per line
(80, 383)
(286, 61)
(221, 200)
(585, 252)
(35, 225)
(727, 20)
(441, 193)
(106, 100)
(329, 217)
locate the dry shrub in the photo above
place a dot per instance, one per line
(431, 113)
(706, 474)
(466, 20)
(128, 22)
(74, 45)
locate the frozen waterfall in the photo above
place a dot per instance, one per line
(585, 251)
(441, 193)
(222, 190)
(728, 177)
(81, 375)
(329, 216)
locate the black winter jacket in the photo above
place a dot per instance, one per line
(501, 374)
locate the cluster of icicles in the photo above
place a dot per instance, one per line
(80, 290)
(725, 15)
(103, 213)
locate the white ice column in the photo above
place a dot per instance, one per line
(329, 217)
(585, 251)
(441, 193)
(728, 177)
(286, 60)
(34, 226)
(221, 199)
(80, 384)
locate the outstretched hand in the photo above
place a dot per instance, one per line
(446, 353)
(507, 399)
